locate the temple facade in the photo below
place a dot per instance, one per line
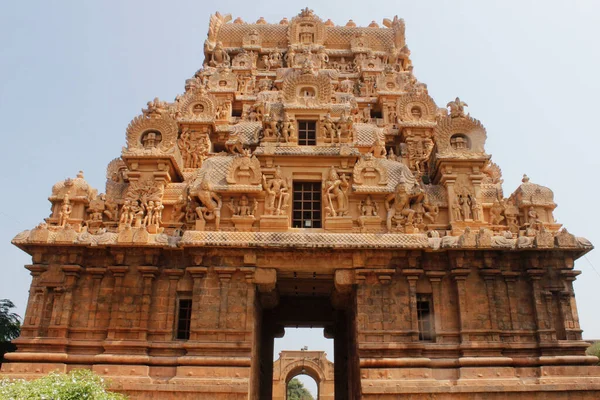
(305, 177)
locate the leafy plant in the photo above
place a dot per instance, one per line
(297, 391)
(76, 385)
(10, 324)
(594, 350)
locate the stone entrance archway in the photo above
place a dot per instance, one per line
(312, 363)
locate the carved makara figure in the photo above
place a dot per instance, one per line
(65, 211)
(277, 190)
(457, 108)
(211, 204)
(336, 194)
(398, 206)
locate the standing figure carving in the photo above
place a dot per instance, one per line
(65, 211)
(336, 194)
(277, 190)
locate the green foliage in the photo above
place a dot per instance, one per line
(594, 350)
(297, 391)
(10, 326)
(77, 385)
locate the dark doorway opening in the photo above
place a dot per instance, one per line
(312, 310)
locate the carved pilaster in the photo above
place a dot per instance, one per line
(435, 278)
(412, 276)
(489, 277)
(174, 276)
(72, 273)
(148, 274)
(541, 320)
(510, 280)
(118, 273)
(198, 274)
(460, 277)
(96, 274)
(570, 305)
(35, 303)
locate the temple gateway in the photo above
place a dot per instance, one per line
(305, 177)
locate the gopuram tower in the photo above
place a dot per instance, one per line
(306, 178)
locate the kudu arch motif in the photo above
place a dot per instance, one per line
(306, 177)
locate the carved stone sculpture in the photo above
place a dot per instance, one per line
(398, 207)
(277, 190)
(211, 206)
(336, 194)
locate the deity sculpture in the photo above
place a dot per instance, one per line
(398, 206)
(126, 216)
(65, 211)
(243, 208)
(465, 206)
(457, 210)
(496, 213)
(219, 56)
(336, 194)
(367, 207)
(211, 204)
(533, 220)
(288, 128)
(344, 128)
(277, 190)
(178, 213)
(378, 149)
(330, 128)
(112, 209)
(476, 210)
(431, 210)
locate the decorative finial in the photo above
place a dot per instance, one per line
(261, 21)
(373, 24)
(525, 178)
(284, 21)
(306, 12)
(80, 174)
(238, 21)
(329, 22)
(350, 23)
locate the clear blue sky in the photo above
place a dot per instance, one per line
(74, 73)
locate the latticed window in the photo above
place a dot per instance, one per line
(425, 316)
(307, 205)
(184, 318)
(307, 133)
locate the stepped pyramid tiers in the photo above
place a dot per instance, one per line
(306, 178)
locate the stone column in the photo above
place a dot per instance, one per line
(489, 277)
(197, 273)
(224, 274)
(148, 274)
(460, 276)
(435, 278)
(541, 315)
(35, 302)
(448, 180)
(97, 275)
(71, 276)
(412, 276)
(510, 279)
(116, 297)
(570, 305)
